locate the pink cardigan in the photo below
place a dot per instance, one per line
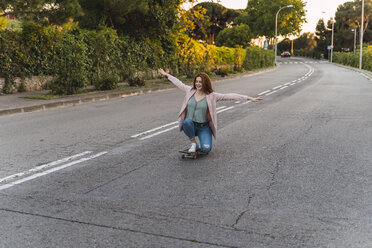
(212, 99)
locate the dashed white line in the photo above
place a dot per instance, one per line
(157, 133)
(262, 93)
(222, 110)
(163, 126)
(152, 130)
(271, 93)
(277, 87)
(11, 184)
(283, 87)
(38, 168)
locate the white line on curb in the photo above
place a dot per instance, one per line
(5, 186)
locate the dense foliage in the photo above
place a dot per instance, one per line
(101, 43)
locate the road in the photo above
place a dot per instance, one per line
(293, 170)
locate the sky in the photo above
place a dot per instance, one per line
(314, 10)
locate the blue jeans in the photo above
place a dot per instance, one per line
(203, 131)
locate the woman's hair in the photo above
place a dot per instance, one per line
(206, 83)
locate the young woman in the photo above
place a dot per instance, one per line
(198, 116)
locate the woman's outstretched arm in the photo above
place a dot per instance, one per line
(175, 81)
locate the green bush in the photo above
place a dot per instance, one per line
(312, 53)
(71, 65)
(256, 58)
(352, 59)
(136, 81)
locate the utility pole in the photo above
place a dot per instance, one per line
(361, 38)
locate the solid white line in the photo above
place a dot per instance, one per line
(277, 87)
(157, 133)
(2, 180)
(262, 93)
(220, 107)
(154, 129)
(174, 127)
(237, 102)
(5, 186)
(245, 102)
(225, 109)
(283, 87)
(270, 93)
(166, 125)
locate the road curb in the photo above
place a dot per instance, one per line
(365, 73)
(112, 95)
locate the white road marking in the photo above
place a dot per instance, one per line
(293, 84)
(163, 126)
(262, 93)
(287, 83)
(245, 102)
(225, 109)
(38, 168)
(154, 129)
(271, 93)
(277, 87)
(5, 186)
(157, 133)
(283, 87)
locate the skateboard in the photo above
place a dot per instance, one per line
(192, 155)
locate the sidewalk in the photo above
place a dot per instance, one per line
(19, 103)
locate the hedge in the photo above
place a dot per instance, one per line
(352, 59)
(78, 57)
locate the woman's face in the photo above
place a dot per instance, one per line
(198, 83)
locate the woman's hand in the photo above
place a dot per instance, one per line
(162, 72)
(255, 99)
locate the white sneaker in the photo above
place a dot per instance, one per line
(192, 148)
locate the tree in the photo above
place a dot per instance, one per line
(347, 17)
(305, 41)
(322, 37)
(237, 35)
(42, 11)
(260, 17)
(215, 18)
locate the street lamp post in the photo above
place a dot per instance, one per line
(276, 30)
(333, 31)
(354, 47)
(361, 38)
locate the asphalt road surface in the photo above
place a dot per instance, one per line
(293, 170)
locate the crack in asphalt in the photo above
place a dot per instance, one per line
(115, 178)
(243, 212)
(117, 228)
(273, 175)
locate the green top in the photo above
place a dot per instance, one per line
(197, 111)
